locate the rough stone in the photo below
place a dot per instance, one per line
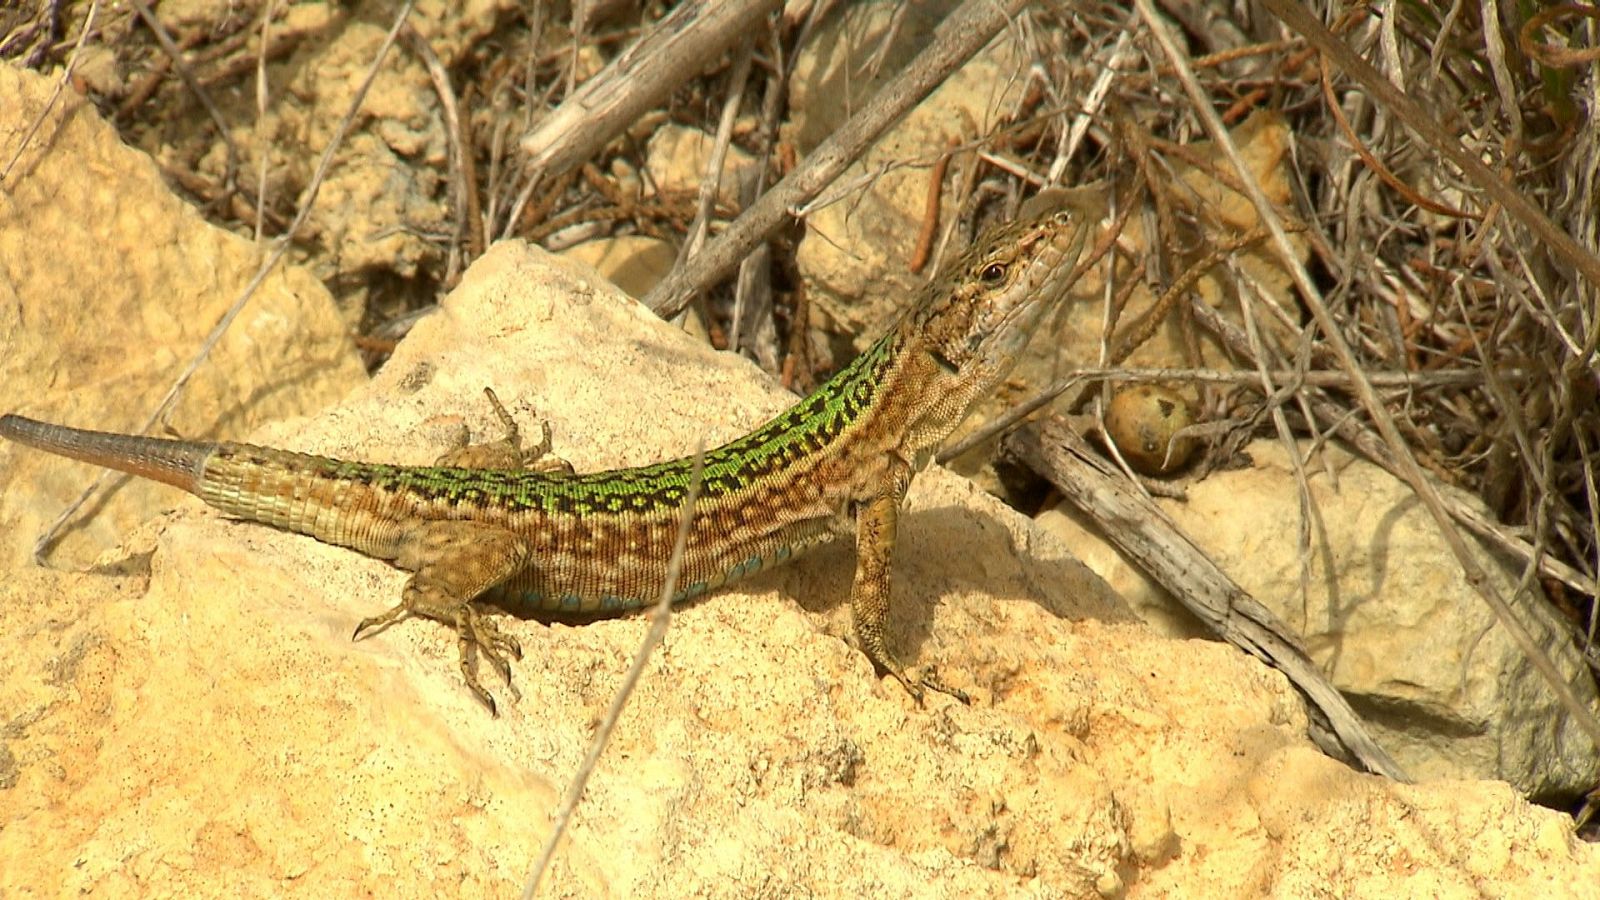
(203, 724)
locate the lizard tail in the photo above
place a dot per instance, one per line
(178, 463)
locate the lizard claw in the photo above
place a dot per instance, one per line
(932, 682)
(929, 681)
(473, 630)
(377, 623)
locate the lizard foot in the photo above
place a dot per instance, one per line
(455, 561)
(473, 630)
(507, 452)
(928, 681)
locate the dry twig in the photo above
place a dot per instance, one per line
(961, 34)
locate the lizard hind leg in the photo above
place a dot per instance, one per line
(507, 452)
(453, 563)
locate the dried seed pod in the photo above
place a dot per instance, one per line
(1142, 420)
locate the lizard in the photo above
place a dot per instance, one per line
(483, 526)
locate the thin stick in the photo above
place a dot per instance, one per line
(660, 618)
(930, 210)
(454, 151)
(711, 179)
(262, 99)
(168, 46)
(752, 292)
(711, 176)
(66, 75)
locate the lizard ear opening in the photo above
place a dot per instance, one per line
(944, 362)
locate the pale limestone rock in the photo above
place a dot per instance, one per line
(108, 286)
(1391, 620)
(206, 726)
(676, 159)
(631, 262)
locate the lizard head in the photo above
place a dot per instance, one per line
(983, 307)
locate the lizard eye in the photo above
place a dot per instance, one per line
(993, 272)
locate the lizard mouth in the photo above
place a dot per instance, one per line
(1053, 266)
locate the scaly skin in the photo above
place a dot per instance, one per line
(837, 462)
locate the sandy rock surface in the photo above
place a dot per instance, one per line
(1387, 614)
(108, 286)
(200, 722)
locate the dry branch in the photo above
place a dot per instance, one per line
(1146, 535)
(675, 50)
(962, 34)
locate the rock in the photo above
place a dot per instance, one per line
(205, 725)
(676, 159)
(109, 285)
(632, 262)
(1391, 621)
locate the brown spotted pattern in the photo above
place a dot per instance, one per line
(599, 543)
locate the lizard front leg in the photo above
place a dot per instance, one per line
(877, 526)
(452, 564)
